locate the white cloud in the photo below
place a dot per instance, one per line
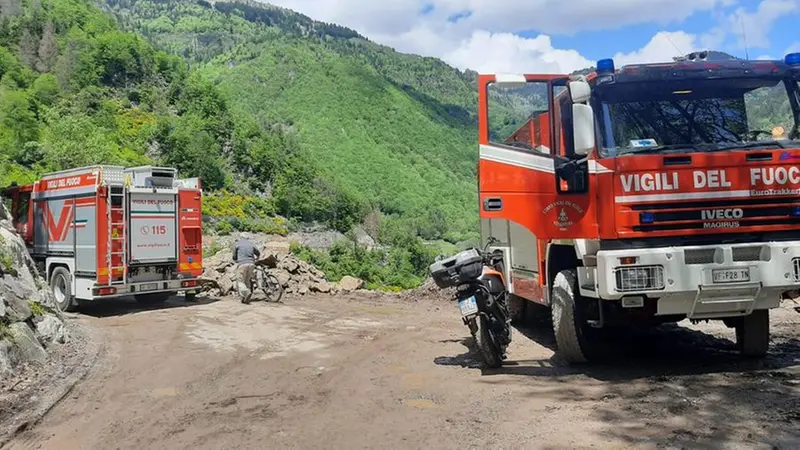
(507, 52)
(752, 28)
(661, 48)
(794, 48)
(484, 36)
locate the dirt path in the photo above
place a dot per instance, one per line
(366, 372)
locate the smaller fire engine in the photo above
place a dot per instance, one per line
(109, 231)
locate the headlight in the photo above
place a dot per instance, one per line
(639, 278)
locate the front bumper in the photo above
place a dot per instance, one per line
(748, 277)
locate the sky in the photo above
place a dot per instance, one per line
(559, 36)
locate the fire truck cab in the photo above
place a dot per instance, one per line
(108, 231)
(647, 194)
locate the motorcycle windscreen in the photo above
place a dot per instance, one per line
(153, 227)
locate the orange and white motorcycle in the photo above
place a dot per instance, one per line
(482, 298)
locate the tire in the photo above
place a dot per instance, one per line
(61, 288)
(517, 309)
(272, 288)
(153, 299)
(752, 334)
(569, 325)
(486, 346)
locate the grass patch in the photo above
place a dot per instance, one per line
(38, 309)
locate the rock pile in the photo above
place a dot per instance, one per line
(29, 322)
(296, 276)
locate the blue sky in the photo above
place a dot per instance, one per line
(558, 36)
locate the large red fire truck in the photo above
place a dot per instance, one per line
(648, 194)
(107, 231)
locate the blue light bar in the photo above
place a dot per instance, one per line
(795, 212)
(647, 217)
(605, 66)
(792, 59)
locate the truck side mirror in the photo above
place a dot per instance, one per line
(582, 128)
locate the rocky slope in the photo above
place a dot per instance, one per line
(29, 324)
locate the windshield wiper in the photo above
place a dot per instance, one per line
(660, 148)
(747, 145)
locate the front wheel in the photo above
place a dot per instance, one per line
(569, 321)
(272, 287)
(487, 347)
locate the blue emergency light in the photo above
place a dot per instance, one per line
(605, 66)
(647, 217)
(795, 212)
(793, 59)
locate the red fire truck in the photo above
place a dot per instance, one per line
(647, 194)
(107, 231)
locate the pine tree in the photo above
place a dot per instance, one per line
(28, 48)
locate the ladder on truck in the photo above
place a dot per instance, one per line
(117, 192)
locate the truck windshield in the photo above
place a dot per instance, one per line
(698, 115)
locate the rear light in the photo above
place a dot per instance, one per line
(627, 260)
(189, 283)
(106, 291)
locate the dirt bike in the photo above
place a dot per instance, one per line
(267, 282)
(482, 298)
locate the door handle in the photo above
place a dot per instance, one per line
(492, 204)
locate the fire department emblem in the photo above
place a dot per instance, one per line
(568, 213)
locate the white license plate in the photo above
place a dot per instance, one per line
(148, 287)
(468, 306)
(730, 275)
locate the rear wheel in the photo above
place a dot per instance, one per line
(487, 347)
(61, 287)
(752, 334)
(153, 299)
(569, 321)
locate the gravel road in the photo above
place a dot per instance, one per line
(366, 371)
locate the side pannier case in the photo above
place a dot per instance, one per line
(462, 267)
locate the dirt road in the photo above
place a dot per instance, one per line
(362, 372)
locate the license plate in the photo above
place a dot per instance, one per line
(468, 306)
(148, 287)
(730, 275)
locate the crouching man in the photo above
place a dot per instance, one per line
(245, 255)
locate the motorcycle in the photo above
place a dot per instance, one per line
(482, 298)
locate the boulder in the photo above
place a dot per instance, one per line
(350, 284)
(51, 329)
(15, 296)
(283, 277)
(290, 265)
(7, 359)
(28, 346)
(321, 286)
(302, 289)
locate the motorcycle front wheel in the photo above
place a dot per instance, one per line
(487, 346)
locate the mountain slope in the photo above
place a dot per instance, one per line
(386, 131)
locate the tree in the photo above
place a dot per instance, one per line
(48, 49)
(28, 48)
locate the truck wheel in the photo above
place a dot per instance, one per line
(752, 334)
(569, 324)
(517, 308)
(152, 299)
(61, 287)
